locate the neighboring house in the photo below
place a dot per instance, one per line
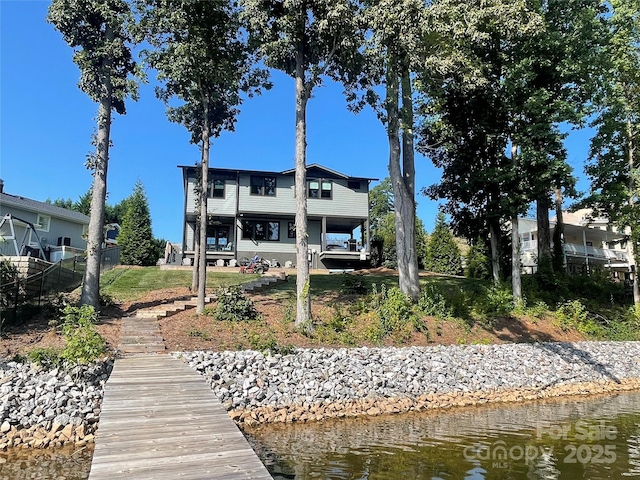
(59, 232)
(252, 211)
(589, 243)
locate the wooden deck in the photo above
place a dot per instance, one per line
(160, 420)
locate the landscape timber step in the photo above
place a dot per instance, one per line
(169, 309)
(140, 335)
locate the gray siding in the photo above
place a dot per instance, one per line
(284, 201)
(345, 202)
(57, 228)
(215, 206)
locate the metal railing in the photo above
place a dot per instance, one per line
(35, 289)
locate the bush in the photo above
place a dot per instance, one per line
(433, 303)
(496, 301)
(83, 342)
(74, 316)
(574, 314)
(234, 306)
(395, 315)
(46, 357)
(352, 285)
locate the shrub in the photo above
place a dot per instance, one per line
(394, 311)
(433, 303)
(46, 357)
(234, 306)
(496, 301)
(352, 285)
(83, 342)
(74, 316)
(574, 314)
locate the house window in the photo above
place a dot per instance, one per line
(319, 188)
(259, 230)
(354, 185)
(43, 222)
(291, 230)
(218, 238)
(263, 185)
(216, 188)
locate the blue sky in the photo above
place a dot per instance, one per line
(46, 124)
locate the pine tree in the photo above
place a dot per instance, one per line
(443, 254)
(137, 246)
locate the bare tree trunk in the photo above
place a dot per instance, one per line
(404, 199)
(558, 233)
(196, 255)
(632, 189)
(544, 232)
(303, 294)
(91, 286)
(494, 238)
(516, 282)
(202, 264)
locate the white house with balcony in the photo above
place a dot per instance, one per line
(251, 211)
(589, 243)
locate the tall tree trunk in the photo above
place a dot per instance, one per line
(404, 199)
(516, 282)
(544, 232)
(494, 239)
(558, 233)
(632, 189)
(196, 254)
(91, 286)
(303, 294)
(202, 264)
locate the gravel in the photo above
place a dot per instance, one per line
(249, 379)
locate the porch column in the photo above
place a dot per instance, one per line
(323, 235)
(586, 253)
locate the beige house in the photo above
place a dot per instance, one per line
(589, 243)
(251, 211)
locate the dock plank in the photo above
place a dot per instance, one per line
(160, 419)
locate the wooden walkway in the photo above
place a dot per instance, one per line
(160, 420)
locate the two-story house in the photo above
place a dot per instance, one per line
(252, 211)
(30, 226)
(589, 243)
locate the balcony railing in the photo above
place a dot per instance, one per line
(573, 249)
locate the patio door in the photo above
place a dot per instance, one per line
(218, 238)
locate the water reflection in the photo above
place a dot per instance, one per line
(61, 464)
(598, 438)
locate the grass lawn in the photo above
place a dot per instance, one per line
(124, 284)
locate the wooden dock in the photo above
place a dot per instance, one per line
(160, 420)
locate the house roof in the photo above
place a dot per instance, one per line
(313, 166)
(42, 207)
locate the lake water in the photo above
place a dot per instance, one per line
(596, 438)
(59, 464)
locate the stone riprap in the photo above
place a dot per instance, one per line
(321, 383)
(50, 407)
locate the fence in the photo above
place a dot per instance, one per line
(38, 280)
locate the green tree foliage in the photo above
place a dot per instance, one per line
(492, 118)
(393, 53)
(383, 228)
(306, 40)
(137, 246)
(61, 202)
(204, 63)
(443, 254)
(613, 167)
(478, 261)
(97, 30)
